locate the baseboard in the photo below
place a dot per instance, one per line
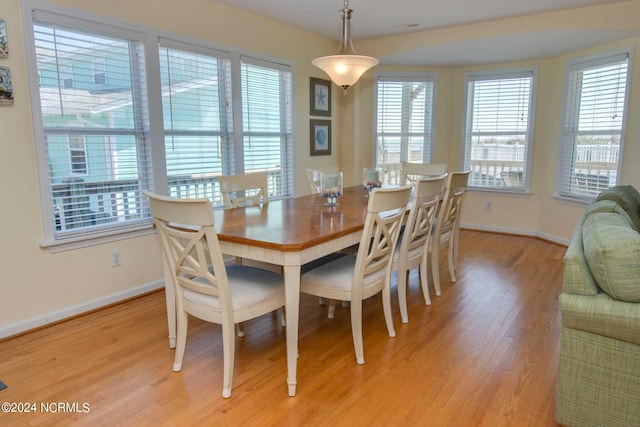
(516, 232)
(68, 312)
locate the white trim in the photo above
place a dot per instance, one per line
(516, 232)
(67, 312)
(85, 241)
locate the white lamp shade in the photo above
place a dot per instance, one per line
(345, 70)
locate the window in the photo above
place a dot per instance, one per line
(168, 118)
(199, 123)
(111, 129)
(100, 72)
(498, 129)
(78, 154)
(267, 123)
(593, 125)
(197, 116)
(404, 121)
(67, 77)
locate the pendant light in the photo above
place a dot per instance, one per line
(345, 68)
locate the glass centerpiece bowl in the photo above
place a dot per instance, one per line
(371, 179)
(331, 187)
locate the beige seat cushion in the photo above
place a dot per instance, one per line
(612, 251)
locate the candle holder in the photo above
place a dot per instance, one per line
(371, 179)
(331, 187)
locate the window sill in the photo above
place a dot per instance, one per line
(572, 201)
(88, 240)
(509, 193)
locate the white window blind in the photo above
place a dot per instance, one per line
(404, 119)
(593, 124)
(197, 116)
(267, 131)
(102, 127)
(498, 129)
(101, 141)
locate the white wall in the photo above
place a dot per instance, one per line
(38, 287)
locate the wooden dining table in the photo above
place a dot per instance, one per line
(289, 233)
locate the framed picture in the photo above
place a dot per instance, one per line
(4, 44)
(6, 87)
(320, 137)
(320, 96)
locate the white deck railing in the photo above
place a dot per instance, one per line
(82, 204)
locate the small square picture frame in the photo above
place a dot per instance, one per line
(6, 87)
(320, 97)
(4, 43)
(320, 137)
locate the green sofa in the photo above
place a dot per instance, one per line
(599, 372)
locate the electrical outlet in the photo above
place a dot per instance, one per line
(488, 205)
(115, 258)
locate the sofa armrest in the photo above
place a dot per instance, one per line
(602, 315)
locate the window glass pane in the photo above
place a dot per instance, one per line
(497, 130)
(403, 122)
(94, 131)
(593, 125)
(266, 124)
(196, 112)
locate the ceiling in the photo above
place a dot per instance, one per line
(382, 18)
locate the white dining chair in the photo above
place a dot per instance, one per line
(410, 172)
(313, 178)
(355, 278)
(447, 229)
(205, 287)
(248, 189)
(413, 247)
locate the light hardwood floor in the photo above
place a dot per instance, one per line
(485, 353)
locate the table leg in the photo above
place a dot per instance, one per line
(292, 305)
(170, 294)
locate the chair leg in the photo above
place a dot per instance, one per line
(424, 282)
(356, 330)
(283, 317)
(181, 341)
(321, 301)
(452, 259)
(240, 329)
(228, 351)
(332, 309)
(402, 294)
(386, 307)
(435, 268)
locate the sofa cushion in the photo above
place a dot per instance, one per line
(608, 206)
(628, 197)
(612, 252)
